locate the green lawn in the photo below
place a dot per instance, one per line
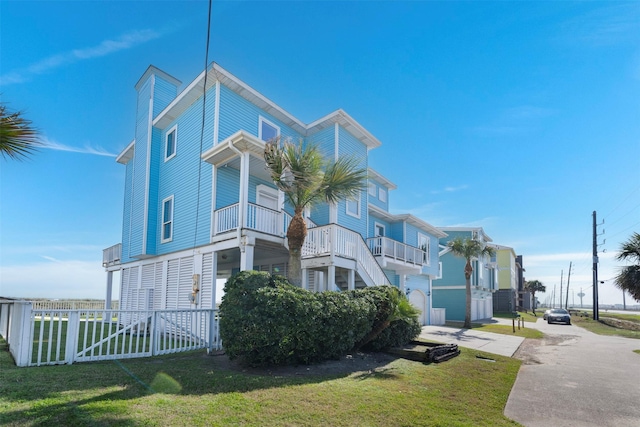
(199, 390)
(603, 328)
(528, 317)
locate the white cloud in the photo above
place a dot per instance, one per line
(450, 189)
(87, 149)
(106, 47)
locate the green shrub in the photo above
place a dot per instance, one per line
(397, 334)
(264, 320)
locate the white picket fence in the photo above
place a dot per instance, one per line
(54, 337)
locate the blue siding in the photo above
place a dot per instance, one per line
(411, 237)
(227, 187)
(139, 195)
(325, 141)
(372, 222)
(126, 212)
(434, 258)
(351, 146)
(397, 231)
(179, 176)
(236, 113)
(454, 300)
(163, 93)
(375, 200)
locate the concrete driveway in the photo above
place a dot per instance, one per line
(573, 377)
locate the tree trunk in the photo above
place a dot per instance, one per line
(468, 269)
(296, 233)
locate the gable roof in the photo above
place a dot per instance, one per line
(410, 219)
(381, 179)
(216, 73)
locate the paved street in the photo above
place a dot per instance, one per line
(576, 378)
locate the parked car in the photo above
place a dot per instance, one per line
(546, 314)
(559, 315)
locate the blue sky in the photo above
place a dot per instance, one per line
(520, 117)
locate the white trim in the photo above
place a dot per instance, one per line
(145, 220)
(359, 203)
(373, 189)
(382, 192)
(428, 245)
(174, 130)
(170, 221)
(127, 154)
(216, 115)
(384, 229)
(268, 192)
(213, 202)
(434, 288)
(336, 141)
(262, 120)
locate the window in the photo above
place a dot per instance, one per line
(353, 206)
(383, 195)
(167, 219)
(267, 197)
(372, 189)
(267, 130)
(424, 243)
(170, 143)
(378, 230)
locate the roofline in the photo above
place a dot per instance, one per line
(126, 154)
(425, 226)
(480, 229)
(216, 73)
(375, 175)
(152, 69)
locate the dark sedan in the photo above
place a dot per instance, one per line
(559, 315)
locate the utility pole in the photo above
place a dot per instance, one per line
(553, 297)
(566, 303)
(561, 276)
(596, 315)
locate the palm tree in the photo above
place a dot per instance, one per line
(17, 137)
(306, 178)
(629, 278)
(534, 286)
(469, 249)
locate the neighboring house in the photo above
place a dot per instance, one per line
(524, 297)
(505, 299)
(199, 204)
(449, 291)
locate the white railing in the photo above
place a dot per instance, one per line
(264, 219)
(226, 219)
(345, 243)
(72, 305)
(52, 337)
(258, 218)
(112, 255)
(383, 246)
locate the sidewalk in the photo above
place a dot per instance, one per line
(504, 345)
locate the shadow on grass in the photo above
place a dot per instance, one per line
(87, 393)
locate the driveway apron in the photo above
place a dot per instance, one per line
(574, 377)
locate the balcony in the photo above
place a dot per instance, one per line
(112, 255)
(397, 253)
(258, 218)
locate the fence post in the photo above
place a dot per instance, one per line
(71, 343)
(153, 334)
(20, 338)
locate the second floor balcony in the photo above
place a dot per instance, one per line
(397, 253)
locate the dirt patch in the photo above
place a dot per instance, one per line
(346, 365)
(620, 323)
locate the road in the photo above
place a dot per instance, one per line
(574, 377)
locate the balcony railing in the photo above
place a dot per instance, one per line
(258, 218)
(383, 246)
(327, 239)
(112, 255)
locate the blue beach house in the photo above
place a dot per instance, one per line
(199, 204)
(449, 291)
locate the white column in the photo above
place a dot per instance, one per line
(352, 280)
(107, 301)
(244, 189)
(331, 278)
(247, 247)
(305, 278)
(403, 280)
(214, 274)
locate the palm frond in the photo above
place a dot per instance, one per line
(18, 138)
(343, 179)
